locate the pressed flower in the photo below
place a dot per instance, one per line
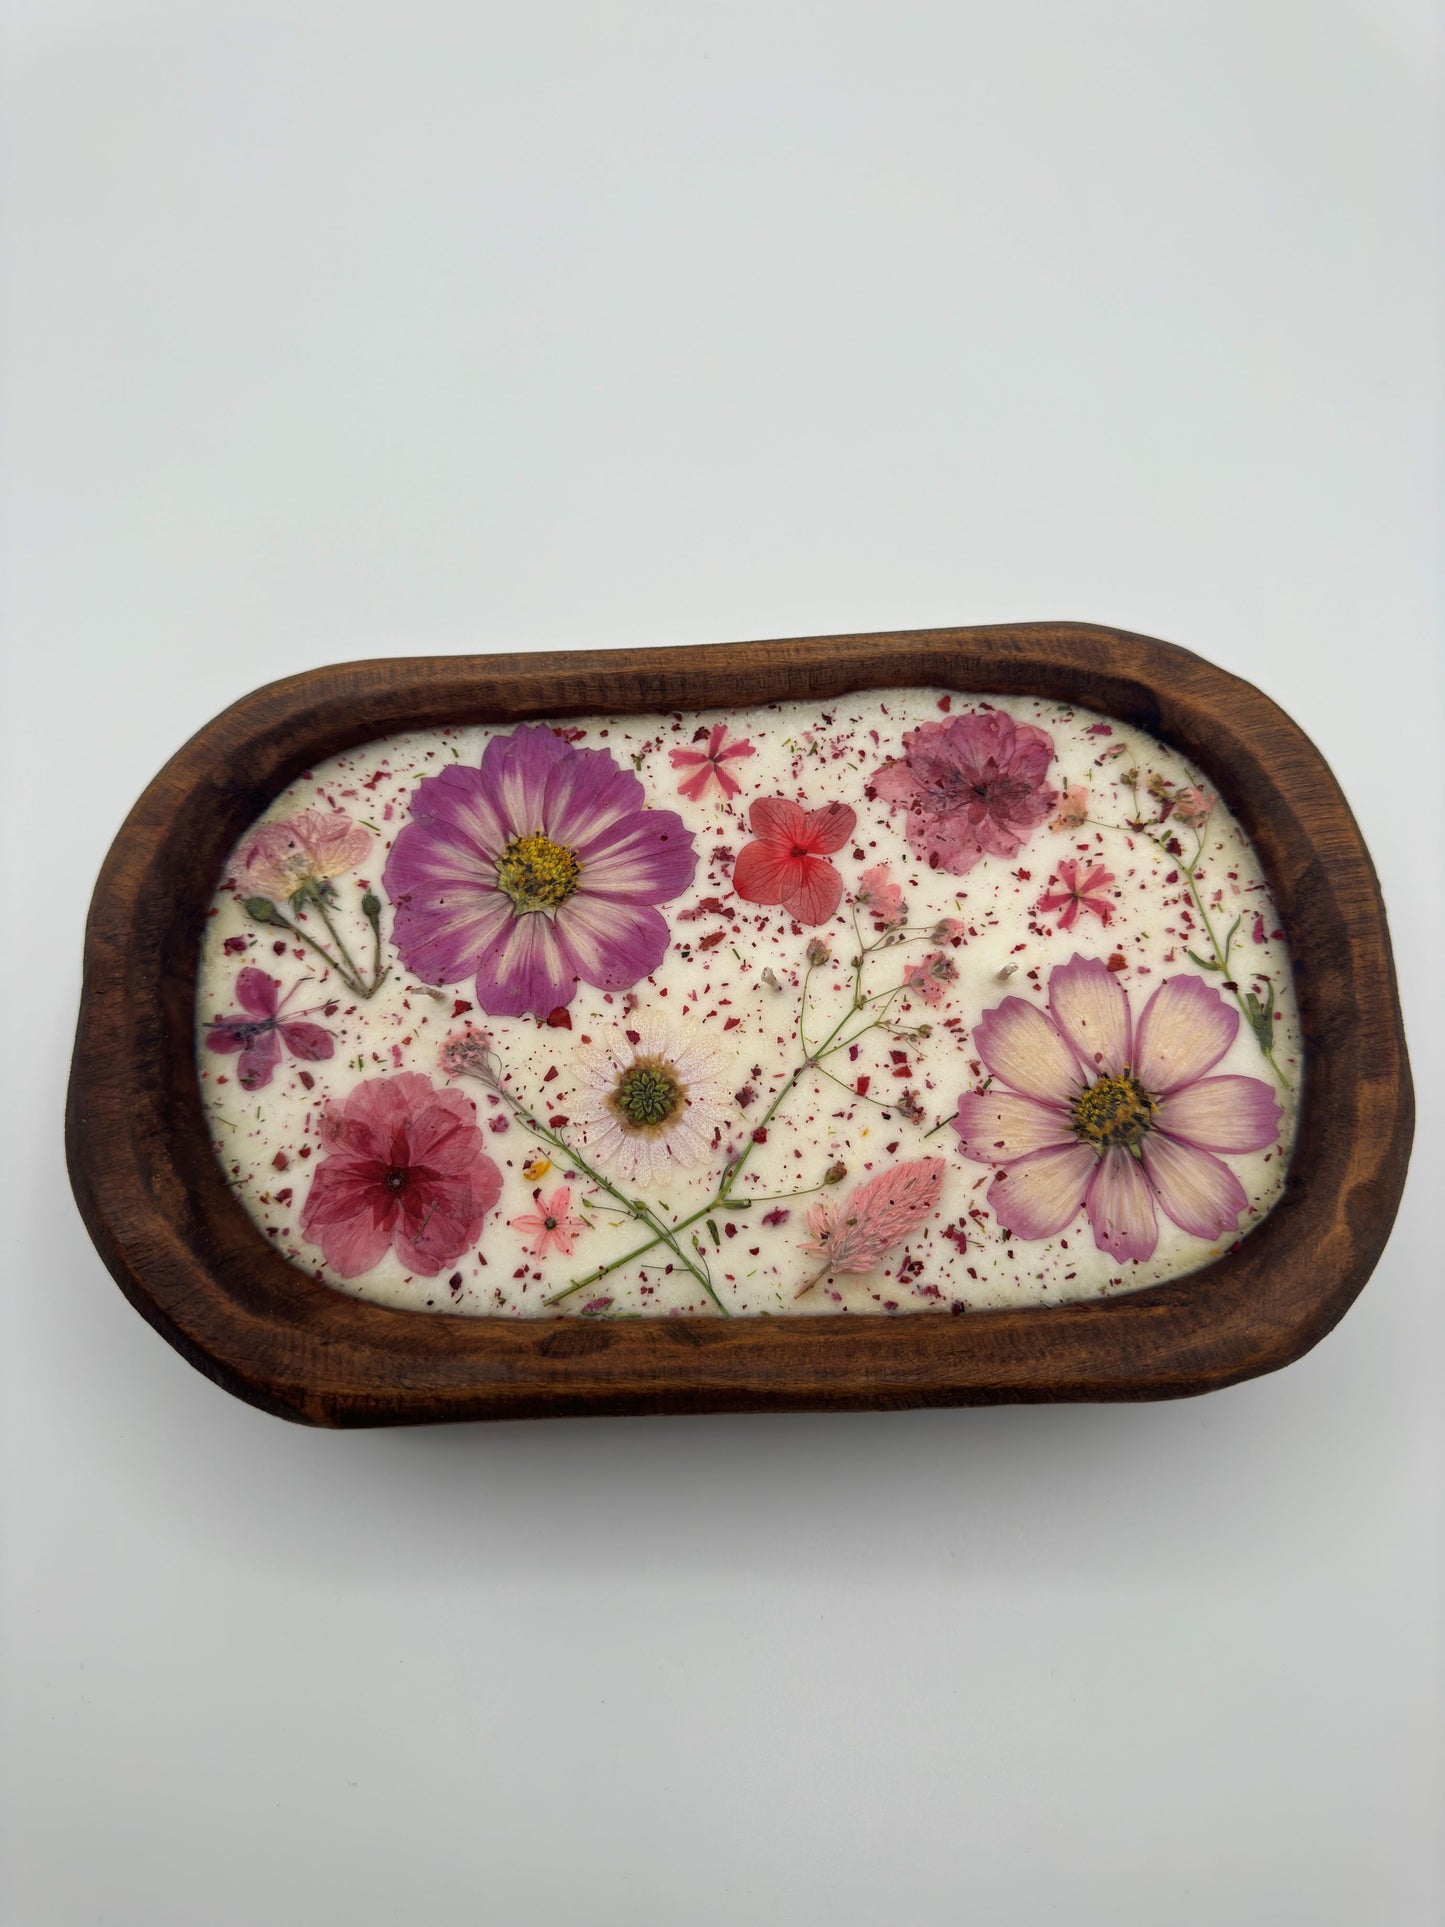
(552, 1223)
(298, 856)
(1081, 890)
(651, 1098)
(1089, 1109)
(404, 1170)
(259, 1029)
(708, 764)
(973, 787)
(930, 976)
(1073, 808)
(1194, 805)
(948, 930)
(540, 870)
(468, 1052)
(788, 861)
(880, 896)
(858, 1233)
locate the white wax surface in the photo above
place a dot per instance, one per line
(268, 1139)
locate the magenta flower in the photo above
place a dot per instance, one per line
(404, 1170)
(552, 1223)
(708, 763)
(539, 871)
(258, 1030)
(297, 856)
(1088, 1108)
(1080, 893)
(973, 787)
(788, 861)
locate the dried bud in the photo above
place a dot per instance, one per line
(371, 906)
(818, 951)
(1158, 787)
(261, 910)
(835, 1173)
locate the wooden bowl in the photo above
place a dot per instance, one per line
(181, 1247)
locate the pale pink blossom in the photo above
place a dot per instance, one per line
(552, 1223)
(930, 976)
(1194, 805)
(1088, 1109)
(1073, 808)
(295, 856)
(858, 1233)
(880, 896)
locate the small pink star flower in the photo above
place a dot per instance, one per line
(551, 1223)
(1080, 893)
(708, 763)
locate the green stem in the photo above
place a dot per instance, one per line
(278, 917)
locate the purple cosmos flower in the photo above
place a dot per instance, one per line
(539, 871)
(1088, 1108)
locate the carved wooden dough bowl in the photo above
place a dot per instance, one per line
(181, 1247)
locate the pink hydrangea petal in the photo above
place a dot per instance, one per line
(997, 1126)
(611, 944)
(1087, 1002)
(340, 1216)
(1222, 1114)
(1036, 1196)
(1185, 1030)
(812, 889)
(776, 820)
(1024, 1048)
(647, 857)
(762, 872)
(1121, 1208)
(1198, 1192)
(826, 830)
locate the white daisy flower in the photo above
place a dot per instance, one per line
(650, 1107)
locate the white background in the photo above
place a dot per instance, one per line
(348, 329)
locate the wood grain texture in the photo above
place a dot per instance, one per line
(156, 1203)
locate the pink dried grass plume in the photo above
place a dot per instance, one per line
(858, 1233)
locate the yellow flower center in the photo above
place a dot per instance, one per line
(647, 1096)
(536, 873)
(1115, 1111)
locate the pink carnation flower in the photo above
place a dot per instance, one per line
(404, 1170)
(290, 858)
(540, 870)
(707, 764)
(973, 787)
(1089, 1109)
(552, 1223)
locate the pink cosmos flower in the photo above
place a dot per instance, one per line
(931, 976)
(1080, 893)
(258, 1030)
(551, 1223)
(404, 1170)
(538, 871)
(788, 863)
(1073, 808)
(880, 896)
(708, 763)
(1088, 1108)
(858, 1234)
(294, 857)
(973, 787)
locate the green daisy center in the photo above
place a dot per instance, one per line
(536, 873)
(1115, 1111)
(647, 1095)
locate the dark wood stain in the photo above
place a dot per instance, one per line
(156, 1203)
